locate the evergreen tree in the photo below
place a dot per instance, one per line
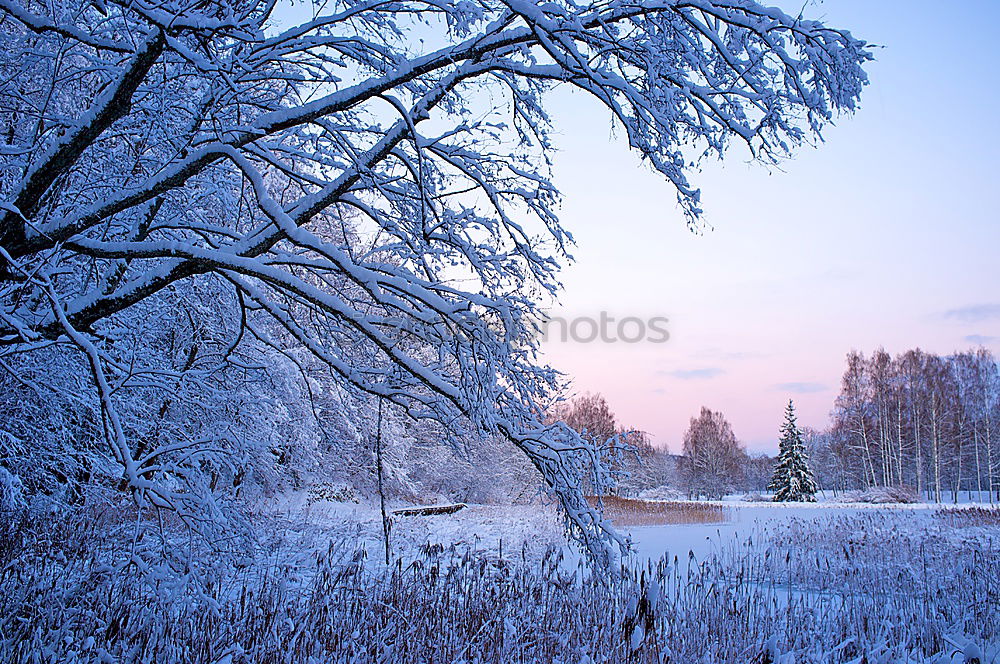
(792, 480)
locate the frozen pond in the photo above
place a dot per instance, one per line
(744, 523)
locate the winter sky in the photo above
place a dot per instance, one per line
(885, 235)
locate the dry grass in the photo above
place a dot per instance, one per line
(809, 597)
(970, 516)
(634, 512)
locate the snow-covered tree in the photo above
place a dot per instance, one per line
(153, 143)
(714, 458)
(792, 479)
(917, 420)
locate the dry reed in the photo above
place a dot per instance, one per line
(853, 590)
(634, 512)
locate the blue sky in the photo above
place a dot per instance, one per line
(886, 234)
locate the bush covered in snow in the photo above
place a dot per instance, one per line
(332, 492)
(882, 495)
(754, 497)
(11, 491)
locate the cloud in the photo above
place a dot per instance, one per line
(801, 388)
(980, 339)
(694, 374)
(975, 313)
(727, 355)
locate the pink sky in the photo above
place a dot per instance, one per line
(887, 234)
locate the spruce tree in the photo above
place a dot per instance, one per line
(792, 480)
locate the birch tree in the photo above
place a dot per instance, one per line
(930, 418)
(713, 458)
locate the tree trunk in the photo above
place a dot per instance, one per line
(870, 470)
(899, 441)
(989, 456)
(979, 470)
(919, 456)
(935, 457)
(957, 483)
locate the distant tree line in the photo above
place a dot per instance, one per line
(713, 462)
(917, 420)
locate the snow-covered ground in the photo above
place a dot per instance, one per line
(511, 530)
(300, 527)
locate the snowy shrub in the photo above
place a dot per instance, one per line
(882, 495)
(332, 492)
(11, 491)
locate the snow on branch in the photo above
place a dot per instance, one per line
(373, 181)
